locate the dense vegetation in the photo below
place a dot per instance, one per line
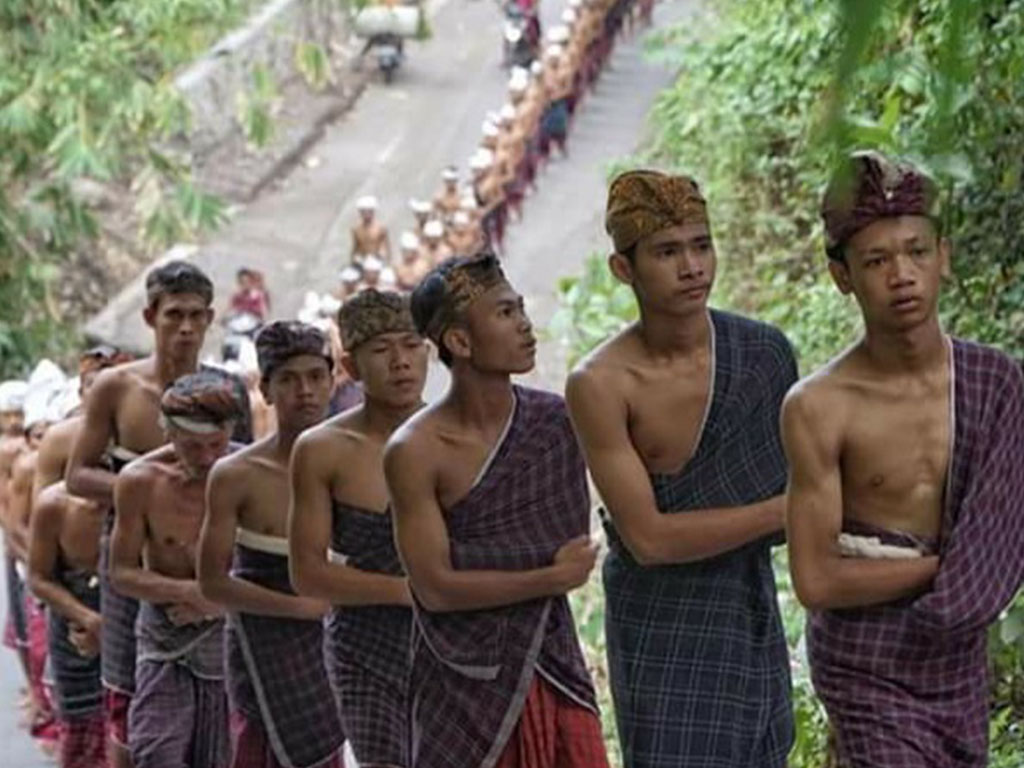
(86, 96)
(769, 95)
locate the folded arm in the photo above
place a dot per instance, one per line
(225, 493)
(309, 537)
(86, 475)
(600, 418)
(422, 538)
(823, 578)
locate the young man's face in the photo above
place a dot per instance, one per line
(894, 267)
(12, 422)
(500, 333)
(392, 368)
(300, 390)
(179, 321)
(199, 452)
(672, 270)
(366, 216)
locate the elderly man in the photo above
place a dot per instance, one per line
(178, 713)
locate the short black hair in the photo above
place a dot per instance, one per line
(425, 302)
(177, 277)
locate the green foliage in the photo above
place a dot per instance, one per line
(313, 64)
(592, 307)
(255, 108)
(86, 94)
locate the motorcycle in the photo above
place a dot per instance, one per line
(389, 52)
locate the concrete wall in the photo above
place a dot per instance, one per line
(212, 85)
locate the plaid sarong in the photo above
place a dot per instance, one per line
(16, 618)
(697, 656)
(906, 683)
(276, 673)
(368, 647)
(472, 670)
(250, 747)
(177, 720)
(117, 635)
(83, 741)
(77, 686)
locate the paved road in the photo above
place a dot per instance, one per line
(393, 144)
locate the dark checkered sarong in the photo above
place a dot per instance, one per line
(906, 683)
(368, 646)
(472, 670)
(250, 747)
(117, 634)
(77, 686)
(698, 660)
(83, 742)
(178, 714)
(276, 674)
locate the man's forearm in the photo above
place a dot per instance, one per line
(57, 597)
(243, 596)
(690, 536)
(92, 483)
(482, 590)
(852, 582)
(152, 587)
(341, 584)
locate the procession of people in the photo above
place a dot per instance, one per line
(314, 565)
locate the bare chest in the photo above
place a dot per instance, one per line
(666, 416)
(80, 530)
(137, 420)
(895, 461)
(265, 509)
(173, 523)
(361, 482)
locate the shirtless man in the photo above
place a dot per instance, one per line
(702, 679)
(434, 248)
(447, 201)
(63, 564)
(178, 713)
(55, 449)
(463, 237)
(558, 91)
(492, 520)
(275, 639)
(369, 236)
(121, 423)
(341, 503)
(421, 212)
(490, 198)
(906, 491)
(512, 150)
(413, 265)
(12, 443)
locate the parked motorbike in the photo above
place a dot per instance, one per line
(389, 52)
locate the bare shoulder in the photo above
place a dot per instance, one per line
(606, 367)
(822, 399)
(62, 433)
(24, 465)
(417, 440)
(329, 442)
(50, 502)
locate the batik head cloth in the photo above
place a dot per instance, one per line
(641, 203)
(370, 313)
(464, 280)
(282, 340)
(868, 187)
(202, 402)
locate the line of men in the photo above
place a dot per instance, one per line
(516, 143)
(397, 574)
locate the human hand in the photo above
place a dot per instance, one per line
(574, 561)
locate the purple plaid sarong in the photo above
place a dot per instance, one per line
(472, 670)
(276, 673)
(117, 633)
(696, 651)
(906, 683)
(368, 647)
(178, 716)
